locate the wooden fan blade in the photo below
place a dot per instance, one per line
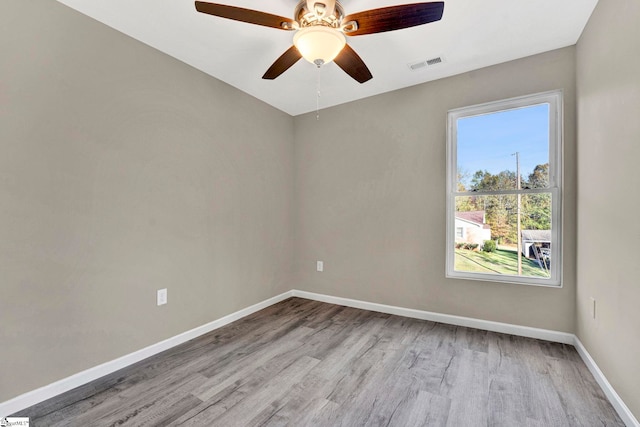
(395, 17)
(352, 64)
(282, 64)
(245, 15)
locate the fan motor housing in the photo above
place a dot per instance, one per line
(309, 18)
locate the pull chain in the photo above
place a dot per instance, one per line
(318, 95)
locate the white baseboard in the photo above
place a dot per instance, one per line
(487, 325)
(43, 393)
(618, 404)
(36, 396)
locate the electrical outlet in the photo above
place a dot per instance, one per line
(320, 266)
(162, 296)
(593, 307)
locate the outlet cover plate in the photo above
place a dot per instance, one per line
(162, 296)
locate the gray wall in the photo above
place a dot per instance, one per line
(608, 86)
(123, 171)
(370, 197)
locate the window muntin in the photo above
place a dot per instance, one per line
(488, 145)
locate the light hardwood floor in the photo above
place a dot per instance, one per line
(306, 363)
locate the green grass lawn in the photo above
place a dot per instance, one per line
(499, 262)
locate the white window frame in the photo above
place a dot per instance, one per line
(555, 101)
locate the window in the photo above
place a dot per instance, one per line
(504, 191)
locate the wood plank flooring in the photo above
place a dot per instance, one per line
(306, 363)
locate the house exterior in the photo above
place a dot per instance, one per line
(531, 238)
(471, 227)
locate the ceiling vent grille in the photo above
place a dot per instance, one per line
(415, 66)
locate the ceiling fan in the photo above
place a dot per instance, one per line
(321, 27)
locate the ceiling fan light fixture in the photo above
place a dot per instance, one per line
(319, 44)
(321, 26)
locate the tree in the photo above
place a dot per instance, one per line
(537, 207)
(539, 178)
(500, 209)
(464, 203)
(483, 181)
(497, 207)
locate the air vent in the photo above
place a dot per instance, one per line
(414, 66)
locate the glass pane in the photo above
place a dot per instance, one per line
(486, 234)
(492, 148)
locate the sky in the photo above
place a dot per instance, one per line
(488, 142)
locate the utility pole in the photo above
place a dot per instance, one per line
(517, 154)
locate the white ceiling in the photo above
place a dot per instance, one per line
(472, 34)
